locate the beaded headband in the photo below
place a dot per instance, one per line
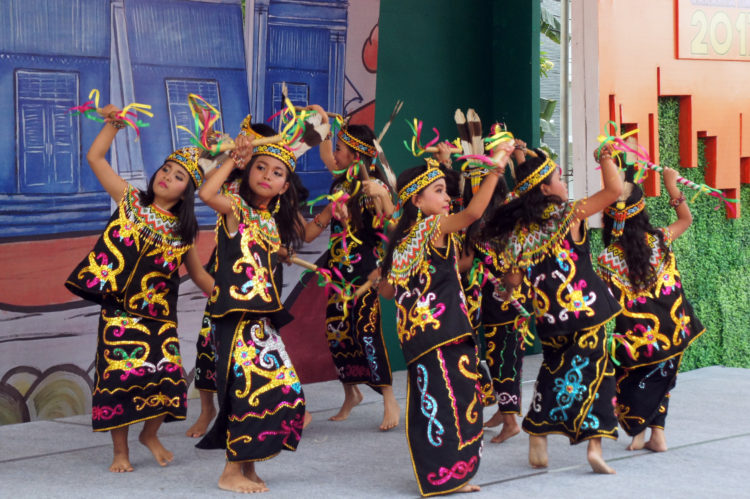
(419, 183)
(187, 157)
(536, 177)
(356, 144)
(282, 153)
(619, 213)
(247, 130)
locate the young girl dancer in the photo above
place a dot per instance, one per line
(657, 323)
(355, 335)
(132, 272)
(205, 357)
(261, 403)
(504, 342)
(443, 409)
(543, 235)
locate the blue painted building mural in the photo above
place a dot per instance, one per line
(52, 208)
(302, 43)
(50, 54)
(150, 51)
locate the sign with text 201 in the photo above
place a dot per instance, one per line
(713, 29)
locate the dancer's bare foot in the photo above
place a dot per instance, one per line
(495, 420)
(121, 464)
(538, 451)
(208, 412)
(638, 441)
(121, 459)
(149, 439)
(233, 479)
(308, 419)
(248, 469)
(352, 397)
(391, 410)
(658, 441)
(469, 487)
(594, 455)
(510, 429)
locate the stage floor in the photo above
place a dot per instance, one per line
(706, 430)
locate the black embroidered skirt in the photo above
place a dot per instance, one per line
(444, 418)
(575, 390)
(356, 341)
(261, 403)
(138, 372)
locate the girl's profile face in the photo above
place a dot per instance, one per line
(170, 182)
(434, 199)
(267, 178)
(556, 186)
(343, 155)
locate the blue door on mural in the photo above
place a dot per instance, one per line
(179, 110)
(48, 136)
(299, 57)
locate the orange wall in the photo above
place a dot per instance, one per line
(638, 63)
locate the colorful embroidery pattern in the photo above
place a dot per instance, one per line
(429, 409)
(409, 255)
(456, 472)
(569, 389)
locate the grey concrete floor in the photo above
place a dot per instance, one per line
(707, 431)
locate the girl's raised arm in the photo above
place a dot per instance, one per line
(684, 217)
(326, 147)
(110, 180)
(480, 200)
(210, 191)
(611, 190)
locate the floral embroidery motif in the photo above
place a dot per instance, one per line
(569, 389)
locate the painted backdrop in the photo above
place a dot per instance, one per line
(52, 53)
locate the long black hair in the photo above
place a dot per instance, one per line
(184, 209)
(634, 244)
(527, 209)
(365, 134)
(409, 215)
(287, 219)
(474, 231)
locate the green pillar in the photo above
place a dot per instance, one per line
(440, 55)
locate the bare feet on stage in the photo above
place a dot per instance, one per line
(391, 410)
(248, 469)
(352, 397)
(594, 455)
(467, 488)
(234, 480)
(121, 459)
(538, 451)
(495, 420)
(308, 419)
(658, 441)
(149, 439)
(510, 429)
(208, 412)
(638, 441)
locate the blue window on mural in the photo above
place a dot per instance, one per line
(48, 136)
(179, 110)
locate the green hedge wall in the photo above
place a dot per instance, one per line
(713, 257)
